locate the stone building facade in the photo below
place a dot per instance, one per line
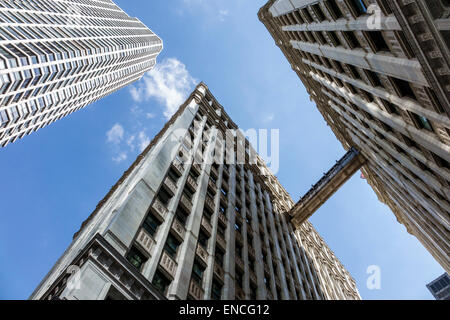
(189, 220)
(58, 56)
(378, 72)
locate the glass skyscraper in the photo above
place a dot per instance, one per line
(57, 57)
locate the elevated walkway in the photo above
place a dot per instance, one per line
(341, 172)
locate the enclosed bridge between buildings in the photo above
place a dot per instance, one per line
(341, 172)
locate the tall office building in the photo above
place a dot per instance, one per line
(378, 71)
(57, 57)
(197, 216)
(440, 288)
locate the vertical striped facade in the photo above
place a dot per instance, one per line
(58, 56)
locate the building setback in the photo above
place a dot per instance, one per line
(189, 220)
(58, 56)
(378, 72)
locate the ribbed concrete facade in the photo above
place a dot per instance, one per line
(58, 56)
(189, 220)
(378, 71)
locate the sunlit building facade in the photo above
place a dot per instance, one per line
(57, 57)
(189, 220)
(378, 72)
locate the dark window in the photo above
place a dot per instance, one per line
(351, 39)
(173, 175)
(334, 9)
(403, 88)
(253, 291)
(171, 246)
(440, 161)
(334, 38)
(221, 230)
(219, 256)
(319, 13)
(409, 52)
(197, 273)
(216, 293)
(307, 15)
(151, 224)
(203, 239)
(239, 279)
(376, 41)
(164, 196)
(161, 282)
(188, 193)
(354, 72)
(181, 215)
(207, 214)
(136, 258)
(357, 7)
(114, 294)
(251, 264)
(238, 227)
(390, 107)
(422, 122)
(373, 78)
(238, 250)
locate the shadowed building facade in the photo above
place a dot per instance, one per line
(378, 72)
(58, 56)
(189, 220)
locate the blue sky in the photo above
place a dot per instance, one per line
(53, 179)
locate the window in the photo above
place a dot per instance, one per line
(334, 38)
(334, 9)
(373, 78)
(188, 193)
(181, 215)
(319, 13)
(151, 224)
(351, 39)
(376, 41)
(354, 72)
(402, 88)
(219, 256)
(136, 258)
(253, 292)
(203, 239)
(238, 250)
(239, 279)
(357, 7)
(221, 230)
(251, 264)
(171, 246)
(160, 282)
(173, 175)
(164, 196)
(421, 122)
(114, 294)
(216, 293)
(197, 273)
(390, 107)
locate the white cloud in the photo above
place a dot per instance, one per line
(268, 117)
(143, 141)
(120, 157)
(223, 14)
(211, 9)
(115, 135)
(169, 83)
